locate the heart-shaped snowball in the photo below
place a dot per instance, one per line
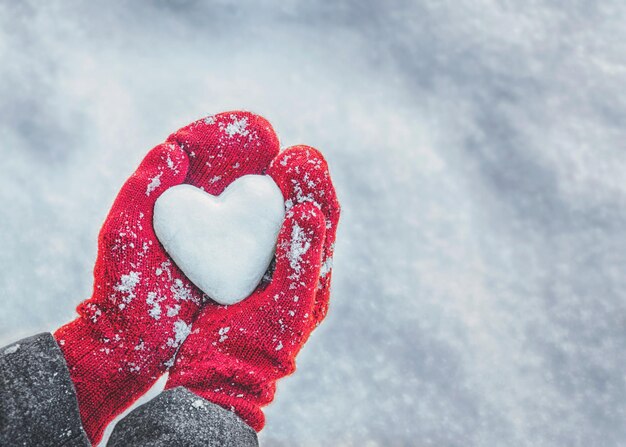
(224, 244)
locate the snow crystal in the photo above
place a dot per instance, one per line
(300, 244)
(96, 312)
(284, 160)
(301, 197)
(222, 333)
(173, 311)
(12, 349)
(181, 331)
(169, 363)
(237, 127)
(310, 183)
(198, 403)
(279, 346)
(182, 292)
(153, 301)
(165, 267)
(327, 266)
(155, 182)
(127, 285)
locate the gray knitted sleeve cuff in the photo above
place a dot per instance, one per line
(38, 404)
(177, 417)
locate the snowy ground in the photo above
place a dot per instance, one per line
(478, 148)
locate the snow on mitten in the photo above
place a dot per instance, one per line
(142, 305)
(302, 174)
(235, 354)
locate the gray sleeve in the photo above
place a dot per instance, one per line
(177, 417)
(38, 404)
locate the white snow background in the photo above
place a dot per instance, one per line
(478, 148)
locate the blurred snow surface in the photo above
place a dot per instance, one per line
(478, 149)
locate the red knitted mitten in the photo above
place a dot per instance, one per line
(142, 305)
(303, 176)
(235, 354)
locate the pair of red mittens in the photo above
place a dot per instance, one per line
(144, 311)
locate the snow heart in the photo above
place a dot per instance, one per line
(224, 244)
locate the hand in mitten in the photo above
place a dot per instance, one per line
(235, 354)
(142, 305)
(302, 174)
